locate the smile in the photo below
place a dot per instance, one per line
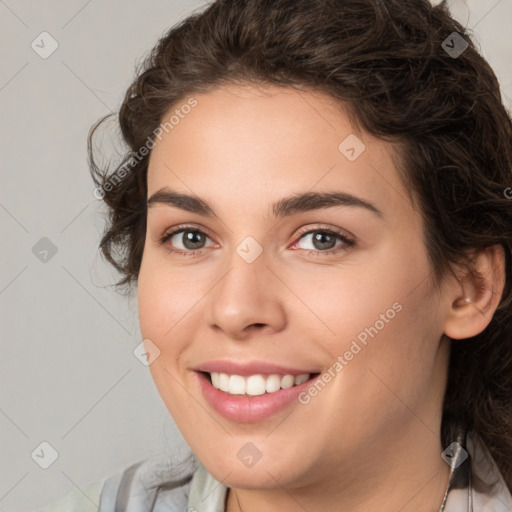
(254, 397)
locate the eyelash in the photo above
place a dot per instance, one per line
(348, 242)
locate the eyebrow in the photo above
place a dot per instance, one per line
(285, 207)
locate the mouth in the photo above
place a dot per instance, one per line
(252, 398)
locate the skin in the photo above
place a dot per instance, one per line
(370, 440)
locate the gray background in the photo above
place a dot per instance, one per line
(68, 373)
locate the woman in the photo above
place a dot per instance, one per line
(314, 212)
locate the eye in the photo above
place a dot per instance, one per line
(190, 238)
(324, 241)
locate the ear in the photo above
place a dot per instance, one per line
(484, 288)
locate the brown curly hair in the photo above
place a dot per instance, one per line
(385, 59)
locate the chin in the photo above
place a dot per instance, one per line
(246, 478)
(262, 475)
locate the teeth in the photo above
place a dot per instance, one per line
(273, 383)
(299, 379)
(236, 385)
(223, 381)
(215, 380)
(255, 384)
(287, 381)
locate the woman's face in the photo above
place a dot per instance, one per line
(263, 284)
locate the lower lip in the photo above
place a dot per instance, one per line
(249, 409)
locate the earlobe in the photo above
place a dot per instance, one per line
(476, 296)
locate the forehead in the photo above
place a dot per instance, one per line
(243, 145)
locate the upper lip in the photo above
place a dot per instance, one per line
(249, 368)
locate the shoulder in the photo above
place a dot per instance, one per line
(85, 499)
(150, 484)
(142, 486)
(490, 491)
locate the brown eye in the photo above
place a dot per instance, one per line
(325, 240)
(192, 239)
(186, 239)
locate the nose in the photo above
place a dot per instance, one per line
(246, 299)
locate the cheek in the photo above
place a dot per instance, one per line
(353, 301)
(382, 319)
(395, 363)
(167, 298)
(165, 310)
